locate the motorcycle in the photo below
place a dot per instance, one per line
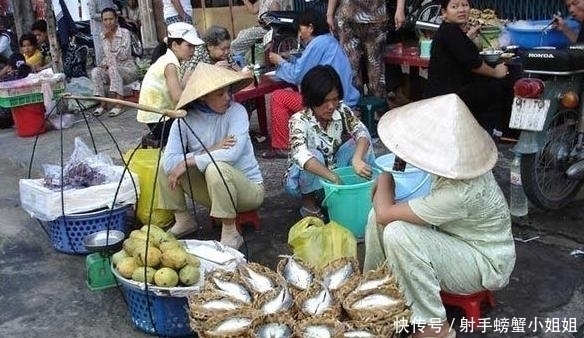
(84, 38)
(548, 109)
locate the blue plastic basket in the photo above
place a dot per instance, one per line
(165, 316)
(67, 232)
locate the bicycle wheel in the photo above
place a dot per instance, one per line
(287, 47)
(137, 49)
(429, 13)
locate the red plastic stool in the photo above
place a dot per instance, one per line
(247, 217)
(471, 304)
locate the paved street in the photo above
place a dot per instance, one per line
(44, 292)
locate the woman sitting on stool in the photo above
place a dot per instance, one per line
(324, 136)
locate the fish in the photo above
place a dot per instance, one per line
(319, 303)
(283, 301)
(219, 304)
(337, 278)
(372, 284)
(232, 324)
(274, 330)
(257, 281)
(234, 290)
(296, 274)
(375, 300)
(317, 331)
(358, 334)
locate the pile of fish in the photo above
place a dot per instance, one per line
(297, 301)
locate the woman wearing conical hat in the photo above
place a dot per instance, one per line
(458, 238)
(209, 155)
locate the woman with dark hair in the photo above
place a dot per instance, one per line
(324, 136)
(161, 87)
(29, 47)
(321, 49)
(216, 51)
(117, 68)
(456, 67)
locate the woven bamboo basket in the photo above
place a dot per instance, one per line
(211, 324)
(276, 279)
(264, 298)
(333, 311)
(226, 276)
(379, 277)
(339, 291)
(199, 312)
(381, 329)
(335, 326)
(376, 313)
(280, 318)
(280, 268)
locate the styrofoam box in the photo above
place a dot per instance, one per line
(45, 204)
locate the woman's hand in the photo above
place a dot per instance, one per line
(399, 19)
(501, 71)
(559, 23)
(225, 143)
(176, 174)
(275, 58)
(330, 20)
(473, 31)
(361, 168)
(223, 63)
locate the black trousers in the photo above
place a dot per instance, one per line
(160, 131)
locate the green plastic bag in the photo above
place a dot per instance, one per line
(318, 243)
(144, 164)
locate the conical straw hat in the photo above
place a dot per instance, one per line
(439, 135)
(207, 78)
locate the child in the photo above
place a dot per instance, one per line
(32, 54)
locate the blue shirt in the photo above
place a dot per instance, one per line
(322, 50)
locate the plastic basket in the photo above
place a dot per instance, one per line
(21, 100)
(156, 311)
(67, 232)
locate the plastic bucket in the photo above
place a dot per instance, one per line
(409, 184)
(528, 34)
(29, 119)
(349, 203)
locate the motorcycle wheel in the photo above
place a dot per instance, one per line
(544, 173)
(137, 49)
(287, 46)
(432, 13)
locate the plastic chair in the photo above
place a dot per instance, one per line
(470, 304)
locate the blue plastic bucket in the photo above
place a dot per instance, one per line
(349, 203)
(528, 34)
(409, 184)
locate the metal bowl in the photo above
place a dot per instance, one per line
(491, 56)
(104, 241)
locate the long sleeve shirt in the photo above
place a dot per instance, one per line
(322, 50)
(211, 128)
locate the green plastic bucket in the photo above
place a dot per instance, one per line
(349, 203)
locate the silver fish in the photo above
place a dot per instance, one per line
(375, 301)
(257, 281)
(219, 304)
(232, 324)
(373, 284)
(319, 303)
(317, 331)
(274, 330)
(296, 274)
(283, 301)
(337, 278)
(358, 334)
(234, 290)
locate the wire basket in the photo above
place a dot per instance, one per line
(156, 311)
(67, 232)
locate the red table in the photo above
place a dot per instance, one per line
(408, 56)
(266, 85)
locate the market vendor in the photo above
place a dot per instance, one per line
(219, 170)
(324, 136)
(576, 9)
(457, 67)
(458, 238)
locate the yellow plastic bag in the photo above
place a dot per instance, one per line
(144, 164)
(318, 243)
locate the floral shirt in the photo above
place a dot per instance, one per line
(201, 54)
(306, 134)
(118, 50)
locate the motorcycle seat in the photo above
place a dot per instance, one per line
(554, 60)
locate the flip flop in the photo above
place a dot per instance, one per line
(275, 153)
(183, 233)
(115, 112)
(99, 111)
(305, 212)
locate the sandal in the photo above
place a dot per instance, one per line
(99, 111)
(275, 153)
(115, 112)
(305, 212)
